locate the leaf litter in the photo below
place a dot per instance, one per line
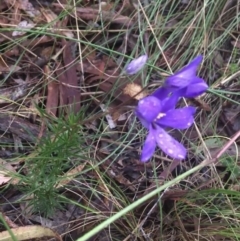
(77, 67)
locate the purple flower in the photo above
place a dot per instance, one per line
(135, 65)
(185, 83)
(156, 114)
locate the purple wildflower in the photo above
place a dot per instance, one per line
(185, 83)
(156, 114)
(135, 65)
(157, 111)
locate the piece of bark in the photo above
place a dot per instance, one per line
(69, 88)
(20, 127)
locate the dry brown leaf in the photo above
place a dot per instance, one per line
(4, 178)
(22, 25)
(5, 68)
(57, 27)
(135, 91)
(112, 124)
(6, 171)
(24, 5)
(218, 59)
(93, 14)
(10, 223)
(29, 232)
(70, 175)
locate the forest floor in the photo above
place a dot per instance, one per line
(70, 142)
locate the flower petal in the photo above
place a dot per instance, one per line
(170, 102)
(148, 147)
(190, 69)
(145, 123)
(185, 76)
(174, 82)
(135, 65)
(179, 118)
(149, 108)
(169, 145)
(197, 87)
(161, 93)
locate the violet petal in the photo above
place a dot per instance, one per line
(190, 69)
(148, 147)
(169, 145)
(185, 76)
(174, 82)
(198, 87)
(179, 118)
(149, 108)
(170, 102)
(145, 123)
(161, 93)
(135, 65)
